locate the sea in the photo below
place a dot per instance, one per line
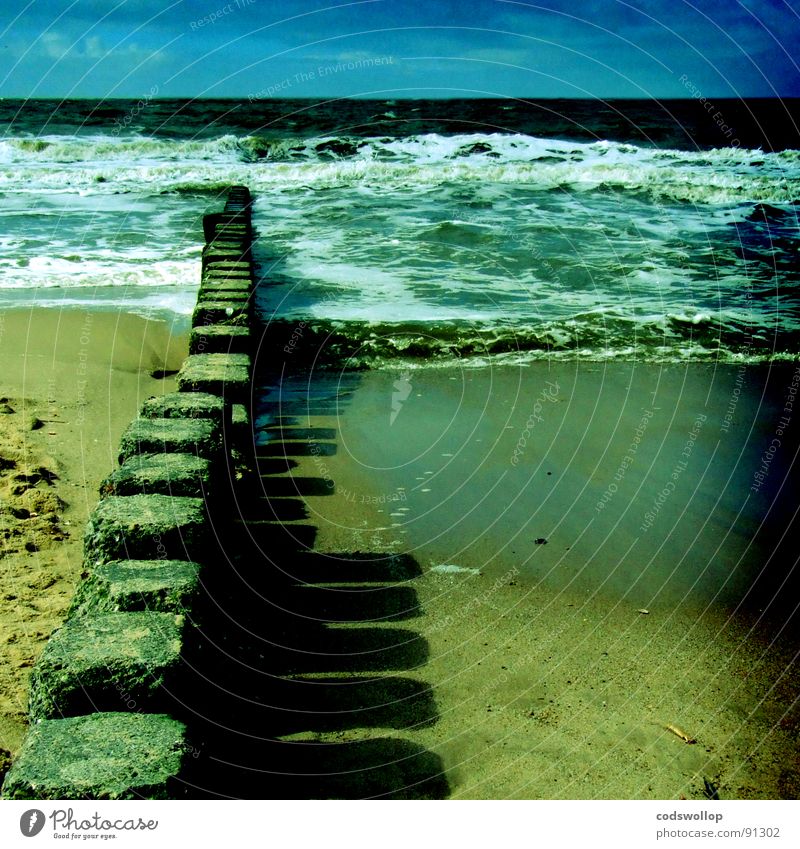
(425, 231)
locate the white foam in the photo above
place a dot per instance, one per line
(452, 569)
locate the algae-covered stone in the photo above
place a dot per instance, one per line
(221, 311)
(225, 285)
(220, 339)
(239, 417)
(200, 437)
(217, 272)
(100, 756)
(147, 527)
(165, 586)
(226, 223)
(227, 375)
(161, 474)
(229, 264)
(185, 405)
(112, 661)
(236, 292)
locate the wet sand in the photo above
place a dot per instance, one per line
(77, 378)
(564, 603)
(600, 553)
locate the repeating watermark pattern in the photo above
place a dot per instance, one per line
(320, 72)
(718, 116)
(402, 389)
(627, 460)
(135, 110)
(294, 339)
(217, 15)
(783, 423)
(322, 467)
(363, 498)
(132, 706)
(680, 467)
(81, 370)
(482, 600)
(547, 396)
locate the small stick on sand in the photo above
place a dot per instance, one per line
(679, 732)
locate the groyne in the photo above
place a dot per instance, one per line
(107, 699)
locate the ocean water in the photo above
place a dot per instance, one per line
(426, 230)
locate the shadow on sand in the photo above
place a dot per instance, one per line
(302, 663)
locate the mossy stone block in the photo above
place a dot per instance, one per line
(227, 375)
(147, 527)
(200, 437)
(161, 474)
(221, 311)
(220, 339)
(225, 286)
(100, 756)
(112, 661)
(185, 405)
(164, 586)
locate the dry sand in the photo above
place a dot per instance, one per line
(72, 380)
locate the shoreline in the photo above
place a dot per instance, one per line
(554, 665)
(82, 375)
(558, 652)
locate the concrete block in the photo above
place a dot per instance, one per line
(220, 311)
(147, 527)
(227, 375)
(161, 474)
(220, 339)
(223, 286)
(240, 418)
(164, 586)
(185, 405)
(209, 294)
(215, 223)
(108, 662)
(100, 756)
(215, 274)
(200, 437)
(229, 265)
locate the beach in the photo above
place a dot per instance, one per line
(72, 380)
(520, 515)
(566, 639)
(558, 630)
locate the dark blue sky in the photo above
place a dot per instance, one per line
(399, 48)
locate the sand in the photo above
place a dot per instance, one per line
(72, 380)
(571, 602)
(566, 603)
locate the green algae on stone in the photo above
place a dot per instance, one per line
(111, 661)
(227, 375)
(200, 437)
(161, 474)
(147, 527)
(185, 405)
(100, 756)
(166, 586)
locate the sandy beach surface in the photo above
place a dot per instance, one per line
(71, 382)
(593, 552)
(598, 554)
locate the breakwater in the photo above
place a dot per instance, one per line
(108, 694)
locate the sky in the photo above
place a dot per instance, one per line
(399, 48)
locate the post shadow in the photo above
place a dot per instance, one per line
(294, 646)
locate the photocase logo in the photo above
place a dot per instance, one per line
(31, 822)
(402, 389)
